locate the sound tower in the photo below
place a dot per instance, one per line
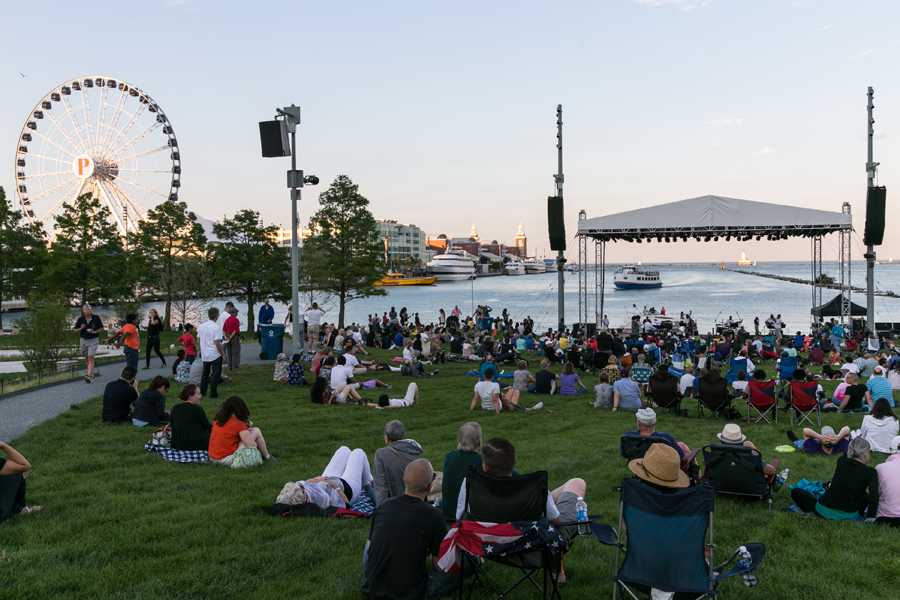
(875, 207)
(273, 137)
(555, 223)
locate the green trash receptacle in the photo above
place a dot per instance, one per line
(271, 340)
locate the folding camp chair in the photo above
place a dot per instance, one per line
(632, 445)
(736, 471)
(804, 402)
(507, 500)
(701, 408)
(667, 539)
(737, 364)
(761, 401)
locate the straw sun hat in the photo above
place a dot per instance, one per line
(732, 434)
(660, 466)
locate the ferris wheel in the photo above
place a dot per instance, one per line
(97, 135)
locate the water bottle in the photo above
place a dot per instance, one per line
(781, 479)
(744, 564)
(581, 515)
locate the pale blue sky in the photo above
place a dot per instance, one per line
(444, 112)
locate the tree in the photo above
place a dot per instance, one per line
(248, 261)
(194, 281)
(87, 260)
(168, 234)
(343, 256)
(23, 252)
(44, 331)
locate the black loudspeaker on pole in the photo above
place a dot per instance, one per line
(875, 209)
(555, 223)
(273, 137)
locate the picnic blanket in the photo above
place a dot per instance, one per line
(178, 456)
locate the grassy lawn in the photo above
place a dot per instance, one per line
(121, 523)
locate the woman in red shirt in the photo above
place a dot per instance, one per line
(189, 344)
(233, 435)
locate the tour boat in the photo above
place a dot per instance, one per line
(514, 266)
(396, 279)
(743, 261)
(550, 264)
(632, 277)
(533, 265)
(452, 266)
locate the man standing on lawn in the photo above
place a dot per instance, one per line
(89, 327)
(210, 336)
(313, 316)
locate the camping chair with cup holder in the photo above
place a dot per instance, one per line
(736, 471)
(510, 500)
(667, 541)
(761, 401)
(804, 403)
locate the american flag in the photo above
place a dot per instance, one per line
(482, 539)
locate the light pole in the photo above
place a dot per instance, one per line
(287, 119)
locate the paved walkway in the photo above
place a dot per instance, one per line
(21, 412)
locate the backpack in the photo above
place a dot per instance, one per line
(183, 372)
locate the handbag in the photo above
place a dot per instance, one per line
(162, 437)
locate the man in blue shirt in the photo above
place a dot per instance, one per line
(266, 314)
(879, 387)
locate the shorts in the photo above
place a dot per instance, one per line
(566, 507)
(88, 346)
(341, 396)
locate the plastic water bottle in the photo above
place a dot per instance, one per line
(744, 564)
(781, 479)
(581, 515)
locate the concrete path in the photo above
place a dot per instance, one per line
(21, 412)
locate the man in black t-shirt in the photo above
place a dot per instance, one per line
(118, 398)
(89, 327)
(404, 531)
(545, 379)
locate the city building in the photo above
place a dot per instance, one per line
(405, 244)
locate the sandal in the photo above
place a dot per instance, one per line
(31, 509)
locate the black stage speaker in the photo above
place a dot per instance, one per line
(273, 136)
(875, 204)
(555, 223)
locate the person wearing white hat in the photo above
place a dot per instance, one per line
(731, 435)
(889, 487)
(646, 427)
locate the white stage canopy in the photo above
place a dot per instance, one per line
(710, 217)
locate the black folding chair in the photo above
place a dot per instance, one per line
(519, 498)
(635, 446)
(736, 471)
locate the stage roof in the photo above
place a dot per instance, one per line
(709, 216)
(832, 308)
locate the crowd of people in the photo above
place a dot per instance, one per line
(645, 370)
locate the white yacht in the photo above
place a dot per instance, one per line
(534, 265)
(632, 277)
(514, 266)
(452, 266)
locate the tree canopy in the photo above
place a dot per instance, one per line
(23, 252)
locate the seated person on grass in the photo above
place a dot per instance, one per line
(14, 469)
(190, 425)
(626, 394)
(467, 454)
(852, 493)
(603, 392)
(150, 407)
(522, 378)
(390, 461)
(499, 460)
(880, 427)
(341, 384)
(713, 393)
(545, 380)
(848, 396)
(569, 382)
(826, 442)
(487, 392)
(233, 435)
(403, 532)
(889, 487)
(487, 365)
(646, 427)
(731, 435)
(118, 398)
(878, 387)
(663, 387)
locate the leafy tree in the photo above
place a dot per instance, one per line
(343, 256)
(194, 281)
(248, 261)
(23, 252)
(44, 332)
(87, 260)
(168, 234)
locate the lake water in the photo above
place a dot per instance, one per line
(707, 291)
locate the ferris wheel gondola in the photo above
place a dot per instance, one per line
(97, 135)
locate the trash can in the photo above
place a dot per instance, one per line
(271, 341)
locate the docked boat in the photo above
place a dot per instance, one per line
(533, 265)
(398, 279)
(452, 266)
(514, 266)
(632, 277)
(550, 264)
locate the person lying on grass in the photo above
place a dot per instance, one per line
(14, 469)
(826, 442)
(344, 478)
(384, 401)
(499, 460)
(234, 438)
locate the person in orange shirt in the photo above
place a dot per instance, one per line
(130, 338)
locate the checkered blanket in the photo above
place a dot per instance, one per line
(364, 503)
(178, 456)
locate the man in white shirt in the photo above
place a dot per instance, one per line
(210, 337)
(340, 381)
(488, 392)
(313, 317)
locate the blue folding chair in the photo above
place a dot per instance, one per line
(667, 539)
(737, 364)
